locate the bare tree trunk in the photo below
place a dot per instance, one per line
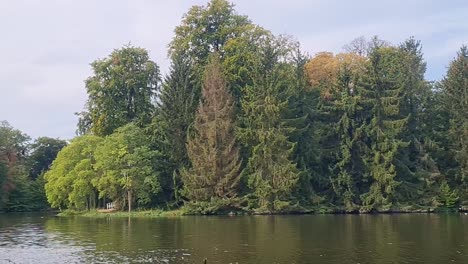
(129, 197)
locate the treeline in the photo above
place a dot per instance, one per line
(244, 120)
(22, 166)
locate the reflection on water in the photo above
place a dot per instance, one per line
(406, 238)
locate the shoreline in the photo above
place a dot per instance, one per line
(156, 213)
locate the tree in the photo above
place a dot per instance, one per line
(69, 180)
(177, 105)
(212, 148)
(322, 72)
(447, 197)
(415, 169)
(455, 94)
(13, 150)
(3, 181)
(206, 29)
(43, 152)
(270, 170)
(210, 29)
(125, 165)
(122, 90)
(381, 90)
(242, 57)
(335, 77)
(363, 47)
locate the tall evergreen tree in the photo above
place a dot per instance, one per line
(335, 78)
(271, 171)
(381, 91)
(455, 92)
(347, 173)
(212, 148)
(415, 169)
(177, 105)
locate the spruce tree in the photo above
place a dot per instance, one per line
(381, 92)
(178, 102)
(302, 114)
(271, 172)
(415, 169)
(335, 78)
(212, 147)
(348, 170)
(455, 92)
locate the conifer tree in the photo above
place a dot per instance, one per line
(177, 105)
(347, 173)
(416, 170)
(212, 147)
(335, 78)
(381, 91)
(271, 172)
(302, 115)
(455, 92)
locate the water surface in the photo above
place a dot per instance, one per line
(336, 239)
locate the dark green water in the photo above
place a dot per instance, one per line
(405, 238)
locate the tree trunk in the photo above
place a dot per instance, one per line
(129, 197)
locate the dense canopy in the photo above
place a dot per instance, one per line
(245, 120)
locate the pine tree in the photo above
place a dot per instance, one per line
(381, 91)
(212, 148)
(302, 115)
(335, 77)
(177, 105)
(416, 168)
(447, 197)
(347, 173)
(271, 172)
(455, 92)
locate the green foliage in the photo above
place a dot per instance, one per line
(125, 164)
(43, 152)
(349, 171)
(121, 91)
(68, 182)
(212, 207)
(455, 96)
(360, 131)
(381, 95)
(207, 29)
(217, 28)
(271, 172)
(447, 197)
(178, 102)
(242, 57)
(14, 190)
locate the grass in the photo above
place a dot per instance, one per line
(154, 213)
(124, 214)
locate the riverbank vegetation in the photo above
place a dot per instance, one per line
(245, 121)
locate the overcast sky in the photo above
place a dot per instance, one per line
(46, 46)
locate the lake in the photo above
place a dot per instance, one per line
(398, 238)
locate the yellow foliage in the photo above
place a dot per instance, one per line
(323, 70)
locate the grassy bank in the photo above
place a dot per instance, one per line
(143, 213)
(154, 213)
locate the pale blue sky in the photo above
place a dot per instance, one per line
(47, 45)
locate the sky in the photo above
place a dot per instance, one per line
(47, 46)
